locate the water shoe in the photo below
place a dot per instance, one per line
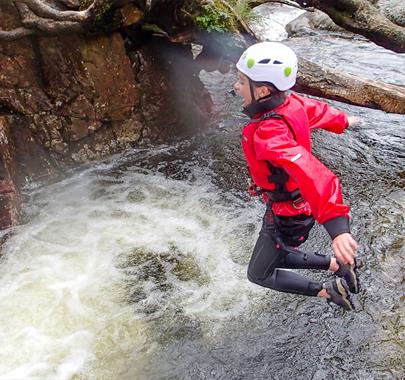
(349, 273)
(338, 291)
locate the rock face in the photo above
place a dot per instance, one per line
(9, 195)
(308, 21)
(394, 10)
(70, 99)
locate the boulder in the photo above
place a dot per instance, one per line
(394, 10)
(310, 21)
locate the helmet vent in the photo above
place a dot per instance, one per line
(277, 63)
(265, 60)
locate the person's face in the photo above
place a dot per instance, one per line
(242, 88)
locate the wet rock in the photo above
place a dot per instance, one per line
(131, 15)
(309, 21)
(127, 132)
(77, 129)
(90, 78)
(9, 196)
(80, 107)
(31, 157)
(320, 374)
(20, 82)
(394, 10)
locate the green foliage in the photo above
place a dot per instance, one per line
(214, 18)
(217, 16)
(85, 3)
(244, 10)
(103, 9)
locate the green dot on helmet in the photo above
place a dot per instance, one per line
(287, 71)
(250, 63)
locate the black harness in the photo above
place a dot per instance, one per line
(278, 175)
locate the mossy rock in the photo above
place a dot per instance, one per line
(217, 16)
(105, 7)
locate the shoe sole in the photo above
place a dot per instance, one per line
(345, 295)
(354, 286)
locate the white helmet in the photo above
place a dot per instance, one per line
(270, 62)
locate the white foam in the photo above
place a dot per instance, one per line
(273, 19)
(63, 297)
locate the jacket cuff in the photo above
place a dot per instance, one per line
(337, 226)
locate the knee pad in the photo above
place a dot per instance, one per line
(257, 280)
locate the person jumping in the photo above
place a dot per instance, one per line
(296, 187)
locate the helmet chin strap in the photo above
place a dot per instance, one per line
(266, 103)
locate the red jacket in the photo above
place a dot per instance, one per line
(272, 140)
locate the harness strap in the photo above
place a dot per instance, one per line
(278, 175)
(274, 115)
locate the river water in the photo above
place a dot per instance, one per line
(135, 267)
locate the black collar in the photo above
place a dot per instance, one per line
(263, 105)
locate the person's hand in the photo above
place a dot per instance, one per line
(344, 247)
(352, 120)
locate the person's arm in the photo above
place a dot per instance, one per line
(321, 115)
(318, 185)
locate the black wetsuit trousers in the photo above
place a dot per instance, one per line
(274, 249)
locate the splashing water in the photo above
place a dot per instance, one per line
(108, 252)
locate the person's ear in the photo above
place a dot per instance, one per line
(264, 91)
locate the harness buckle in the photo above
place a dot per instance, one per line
(297, 202)
(254, 190)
